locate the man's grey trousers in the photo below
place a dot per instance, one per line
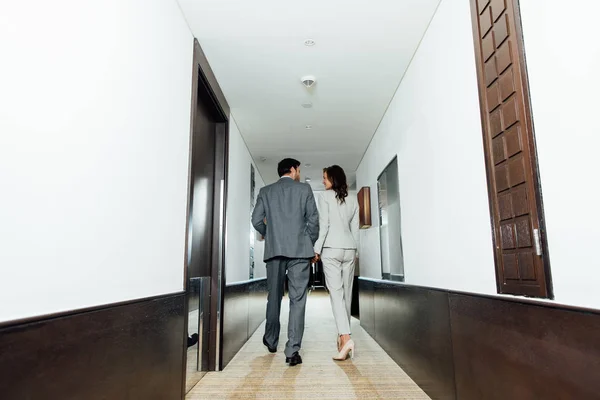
(298, 273)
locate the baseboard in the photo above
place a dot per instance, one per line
(468, 346)
(129, 350)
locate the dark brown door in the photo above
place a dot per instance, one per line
(202, 240)
(515, 199)
(205, 233)
(203, 187)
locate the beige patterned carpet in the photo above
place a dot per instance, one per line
(254, 373)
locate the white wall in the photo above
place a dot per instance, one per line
(433, 126)
(237, 252)
(94, 130)
(563, 60)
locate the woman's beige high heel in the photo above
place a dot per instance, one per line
(339, 343)
(348, 349)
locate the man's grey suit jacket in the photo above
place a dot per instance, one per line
(292, 226)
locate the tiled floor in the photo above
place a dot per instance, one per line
(254, 373)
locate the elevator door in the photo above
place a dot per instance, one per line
(202, 212)
(200, 246)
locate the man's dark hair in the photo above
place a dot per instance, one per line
(285, 166)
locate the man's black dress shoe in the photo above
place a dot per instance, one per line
(295, 359)
(271, 349)
(192, 340)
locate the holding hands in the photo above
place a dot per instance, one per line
(316, 258)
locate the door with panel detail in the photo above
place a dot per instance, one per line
(522, 266)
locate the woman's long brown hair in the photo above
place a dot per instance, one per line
(337, 177)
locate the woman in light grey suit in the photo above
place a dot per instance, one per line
(337, 247)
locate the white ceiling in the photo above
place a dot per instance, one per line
(256, 50)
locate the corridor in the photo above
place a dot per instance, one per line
(256, 374)
(137, 137)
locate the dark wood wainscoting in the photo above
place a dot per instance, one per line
(244, 310)
(468, 346)
(257, 305)
(130, 350)
(366, 294)
(511, 350)
(413, 326)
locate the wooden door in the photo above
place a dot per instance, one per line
(522, 266)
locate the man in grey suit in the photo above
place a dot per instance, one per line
(286, 215)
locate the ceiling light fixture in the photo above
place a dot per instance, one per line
(308, 127)
(308, 165)
(307, 179)
(309, 42)
(307, 105)
(308, 81)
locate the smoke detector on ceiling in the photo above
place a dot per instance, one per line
(309, 81)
